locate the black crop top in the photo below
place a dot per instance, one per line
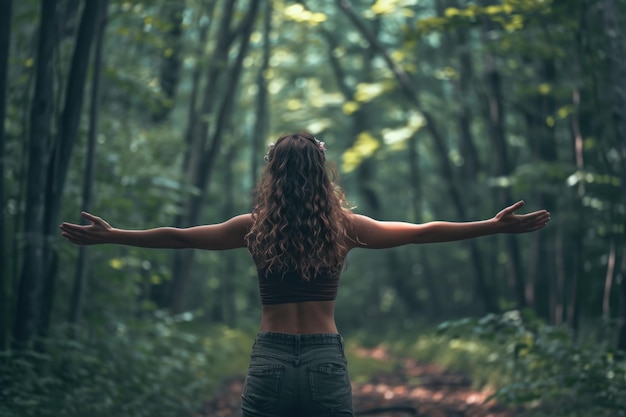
(290, 287)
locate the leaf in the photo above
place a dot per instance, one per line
(366, 92)
(364, 147)
(384, 6)
(350, 107)
(452, 11)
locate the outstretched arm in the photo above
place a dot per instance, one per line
(377, 235)
(227, 235)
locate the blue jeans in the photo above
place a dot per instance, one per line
(297, 375)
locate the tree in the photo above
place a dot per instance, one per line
(262, 114)
(62, 147)
(33, 271)
(206, 146)
(172, 58)
(482, 290)
(82, 270)
(5, 47)
(616, 50)
(495, 115)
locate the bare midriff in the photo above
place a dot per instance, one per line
(299, 318)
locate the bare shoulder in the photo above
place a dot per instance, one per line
(352, 217)
(358, 223)
(241, 223)
(244, 220)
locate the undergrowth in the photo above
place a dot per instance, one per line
(149, 368)
(533, 366)
(167, 366)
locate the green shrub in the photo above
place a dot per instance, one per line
(545, 369)
(134, 370)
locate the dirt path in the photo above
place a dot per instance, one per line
(430, 390)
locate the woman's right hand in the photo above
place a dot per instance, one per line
(98, 231)
(509, 222)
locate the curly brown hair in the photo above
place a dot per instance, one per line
(300, 222)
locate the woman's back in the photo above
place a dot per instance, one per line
(298, 238)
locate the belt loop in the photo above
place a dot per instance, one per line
(296, 348)
(297, 345)
(341, 343)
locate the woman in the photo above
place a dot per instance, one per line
(299, 234)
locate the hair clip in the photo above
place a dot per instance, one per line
(321, 145)
(267, 155)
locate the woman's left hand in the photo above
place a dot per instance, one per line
(98, 231)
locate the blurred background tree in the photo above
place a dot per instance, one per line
(157, 112)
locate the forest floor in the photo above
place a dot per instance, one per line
(410, 389)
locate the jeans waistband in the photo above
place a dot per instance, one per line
(300, 339)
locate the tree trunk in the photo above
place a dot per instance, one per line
(362, 122)
(204, 167)
(472, 165)
(62, 150)
(172, 58)
(5, 46)
(262, 123)
(571, 292)
(31, 280)
(496, 127)
(608, 282)
(161, 293)
(229, 269)
(470, 155)
(80, 277)
(543, 147)
(197, 141)
(621, 341)
(617, 65)
(548, 153)
(417, 197)
(192, 119)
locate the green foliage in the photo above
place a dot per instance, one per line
(148, 368)
(362, 368)
(538, 368)
(511, 14)
(476, 358)
(546, 369)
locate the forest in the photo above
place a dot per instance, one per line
(158, 113)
